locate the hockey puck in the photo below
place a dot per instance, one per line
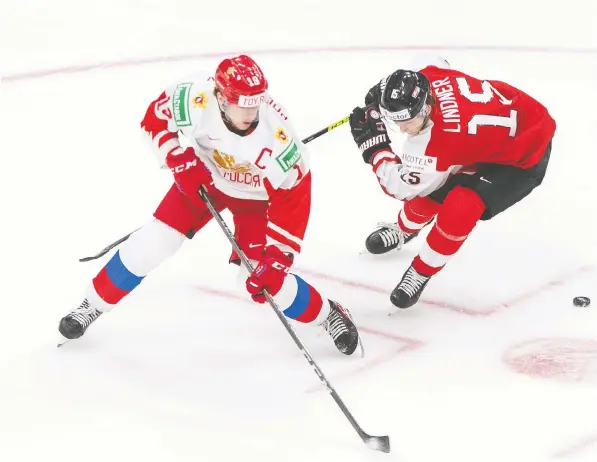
(581, 301)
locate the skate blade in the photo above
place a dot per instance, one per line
(360, 344)
(376, 256)
(61, 340)
(361, 347)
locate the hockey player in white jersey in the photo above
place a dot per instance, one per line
(244, 150)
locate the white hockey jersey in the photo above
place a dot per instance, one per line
(267, 164)
(239, 164)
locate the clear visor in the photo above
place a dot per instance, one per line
(400, 116)
(403, 121)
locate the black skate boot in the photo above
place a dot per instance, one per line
(75, 323)
(342, 330)
(407, 293)
(388, 237)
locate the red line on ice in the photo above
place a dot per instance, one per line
(405, 344)
(482, 311)
(36, 74)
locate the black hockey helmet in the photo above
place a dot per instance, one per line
(403, 95)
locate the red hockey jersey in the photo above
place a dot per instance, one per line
(472, 122)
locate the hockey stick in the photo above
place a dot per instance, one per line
(379, 443)
(327, 129)
(104, 251)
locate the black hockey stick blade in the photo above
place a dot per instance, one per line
(108, 248)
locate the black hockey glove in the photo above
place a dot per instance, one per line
(368, 131)
(373, 96)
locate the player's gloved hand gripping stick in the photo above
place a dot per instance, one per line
(379, 443)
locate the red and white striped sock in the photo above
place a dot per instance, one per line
(416, 213)
(456, 218)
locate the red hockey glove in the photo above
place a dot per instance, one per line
(269, 274)
(189, 173)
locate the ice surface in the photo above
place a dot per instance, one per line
(495, 363)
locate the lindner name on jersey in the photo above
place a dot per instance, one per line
(444, 92)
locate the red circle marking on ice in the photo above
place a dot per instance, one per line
(570, 359)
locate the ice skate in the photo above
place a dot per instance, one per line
(410, 288)
(74, 324)
(388, 237)
(341, 328)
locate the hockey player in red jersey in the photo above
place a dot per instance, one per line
(244, 149)
(473, 149)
